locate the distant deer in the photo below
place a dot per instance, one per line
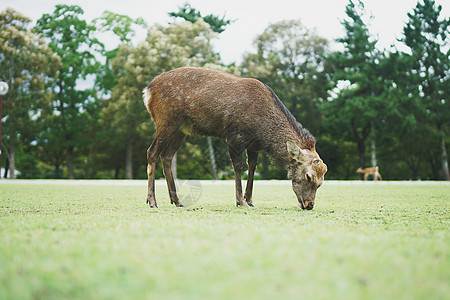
(370, 171)
(245, 113)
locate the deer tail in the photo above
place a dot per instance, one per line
(146, 96)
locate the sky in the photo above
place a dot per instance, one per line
(252, 17)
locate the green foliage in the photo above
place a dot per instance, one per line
(192, 15)
(291, 59)
(29, 66)
(72, 39)
(123, 28)
(358, 83)
(100, 240)
(120, 25)
(56, 125)
(428, 36)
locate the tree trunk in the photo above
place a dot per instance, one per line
(69, 158)
(361, 153)
(1, 117)
(444, 159)
(129, 160)
(5, 175)
(6, 160)
(86, 168)
(12, 162)
(212, 157)
(373, 156)
(434, 168)
(57, 172)
(360, 141)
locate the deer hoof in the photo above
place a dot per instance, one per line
(181, 205)
(153, 206)
(251, 205)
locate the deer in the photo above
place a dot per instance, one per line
(370, 171)
(245, 113)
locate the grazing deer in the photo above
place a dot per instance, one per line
(245, 113)
(370, 171)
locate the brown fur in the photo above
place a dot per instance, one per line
(244, 112)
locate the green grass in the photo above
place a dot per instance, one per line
(103, 242)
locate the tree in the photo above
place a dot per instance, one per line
(358, 102)
(123, 27)
(291, 59)
(72, 39)
(428, 36)
(192, 15)
(29, 66)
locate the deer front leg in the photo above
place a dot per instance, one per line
(366, 175)
(167, 159)
(167, 167)
(252, 160)
(236, 159)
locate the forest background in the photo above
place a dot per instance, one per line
(74, 109)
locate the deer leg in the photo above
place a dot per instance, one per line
(252, 160)
(236, 160)
(166, 158)
(152, 157)
(366, 175)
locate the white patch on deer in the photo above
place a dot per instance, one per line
(146, 97)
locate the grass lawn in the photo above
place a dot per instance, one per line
(101, 241)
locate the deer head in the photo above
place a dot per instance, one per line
(306, 170)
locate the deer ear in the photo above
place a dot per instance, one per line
(295, 152)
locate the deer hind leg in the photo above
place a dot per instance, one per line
(237, 161)
(378, 175)
(152, 157)
(167, 158)
(252, 160)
